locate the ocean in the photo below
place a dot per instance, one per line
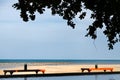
(11, 63)
(59, 61)
(88, 77)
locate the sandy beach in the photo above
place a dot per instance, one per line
(63, 68)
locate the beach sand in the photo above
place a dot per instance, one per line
(64, 68)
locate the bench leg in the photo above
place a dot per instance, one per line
(43, 72)
(82, 70)
(89, 70)
(36, 72)
(5, 73)
(104, 70)
(11, 73)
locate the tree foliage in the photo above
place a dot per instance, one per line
(106, 13)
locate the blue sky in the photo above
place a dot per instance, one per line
(48, 37)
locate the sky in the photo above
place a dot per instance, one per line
(49, 37)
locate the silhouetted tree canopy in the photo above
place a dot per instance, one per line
(106, 13)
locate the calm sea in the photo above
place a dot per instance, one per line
(9, 63)
(60, 61)
(88, 77)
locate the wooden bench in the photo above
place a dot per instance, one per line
(29, 70)
(91, 69)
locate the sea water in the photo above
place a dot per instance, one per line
(88, 77)
(4, 64)
(60, 61)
